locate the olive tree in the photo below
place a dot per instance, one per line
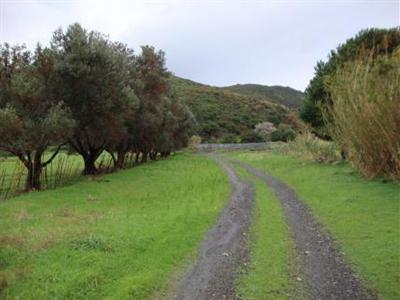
(95, 82)
(32, 117)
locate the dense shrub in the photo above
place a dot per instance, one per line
(252, 137)
(317, 95)
(365, 114)
(194, 141)
(265, 129)
(309, 147)
(284, 133)
(230, 139)
(4, 154)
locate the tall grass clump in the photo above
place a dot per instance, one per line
(364, 117)
(61, 171)
(309, 147)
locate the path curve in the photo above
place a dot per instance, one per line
(225, 248)
(327, 276)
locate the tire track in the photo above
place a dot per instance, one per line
(326, 274)
(225, 248)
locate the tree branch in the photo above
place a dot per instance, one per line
(53, 156)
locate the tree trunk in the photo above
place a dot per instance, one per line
(34, 171)
(90, 167)
(144, 157)
(33, 178)
(153, 155)
(137, 157)
(120, 160)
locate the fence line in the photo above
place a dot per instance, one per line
(232, 147)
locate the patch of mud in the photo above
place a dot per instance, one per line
(224, 250)
(323, 269)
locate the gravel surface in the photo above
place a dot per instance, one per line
(224, 250)
(323, 269)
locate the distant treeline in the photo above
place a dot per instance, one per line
(91, 95)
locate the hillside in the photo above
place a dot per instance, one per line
(223, 114)
(278, 94)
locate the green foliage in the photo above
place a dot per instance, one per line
(91, 93)
(364, 117)
(377, 41)
(110, 237)
(162, 123)
(362, 215)
(230, 139)
(277, 94)
(194, 141)
(309, 147)
(32, 117)
(221, 113)
(284, 133)
(96, 84)
(251, 137)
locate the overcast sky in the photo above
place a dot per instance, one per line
(213, 42)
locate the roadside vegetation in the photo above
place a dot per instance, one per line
(375, 41)
(115, 236)
(354, 101)
(91, 95)
(64, 169)
(363, 216)
(269, 273)
(365, 114)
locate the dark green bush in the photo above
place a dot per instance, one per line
(4, 154)
(284, 133)
(251, 137)
(230, 139)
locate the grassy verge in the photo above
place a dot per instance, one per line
(364, 216)
(268, 275)
(112, 237)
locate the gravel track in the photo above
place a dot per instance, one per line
(323, 269)
(224, 250)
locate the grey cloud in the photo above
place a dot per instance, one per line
(214, 42)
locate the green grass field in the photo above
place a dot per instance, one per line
(268, 277)
(364, 216)
(113, 237)
(125, 235)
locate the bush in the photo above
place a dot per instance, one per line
(284, 133)
(230, 139)
(252, 137)
(365, 114)
(193, 142)
(309, 147)
(265, 129)
(5, 154)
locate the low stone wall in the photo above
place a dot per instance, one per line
(232, 147)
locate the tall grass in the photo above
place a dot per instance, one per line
(63, 170)
(307, 146)
(11, 178)
(364, 117)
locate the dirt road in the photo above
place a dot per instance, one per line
(225, 248)
(325, 273)
(322, 270)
